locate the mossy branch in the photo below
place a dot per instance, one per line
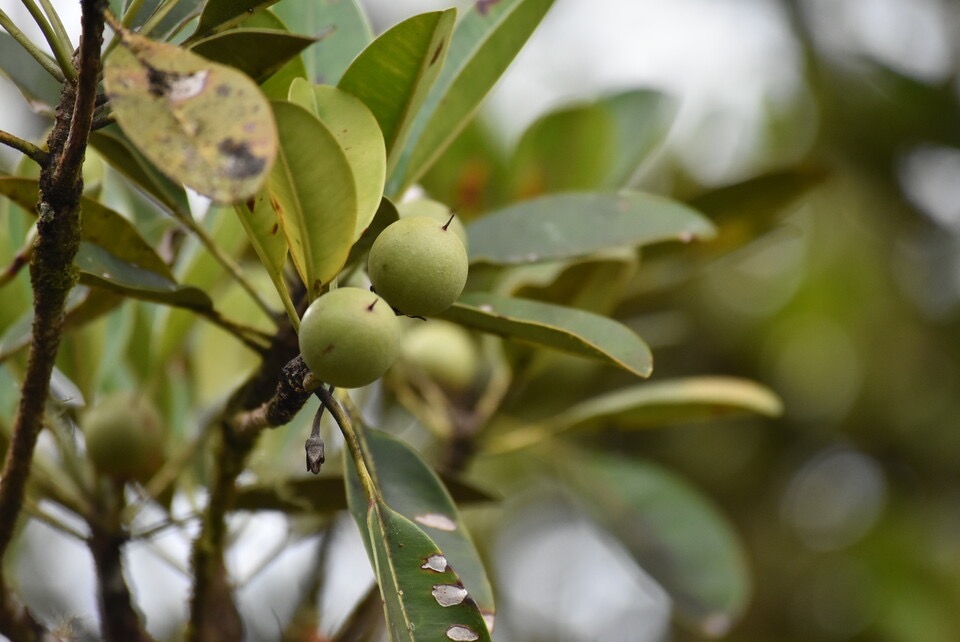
(52, 275)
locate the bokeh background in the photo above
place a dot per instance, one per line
(847, 303)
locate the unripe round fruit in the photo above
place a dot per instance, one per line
(349, 337)
(443, 351)
(124, 436)
(418, 266)
(435, 210)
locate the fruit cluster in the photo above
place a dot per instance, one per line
(349, 337)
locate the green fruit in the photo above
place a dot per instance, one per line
(443, 351)
(349, 337)
(124, 436)
(435, 210)
(418, 266)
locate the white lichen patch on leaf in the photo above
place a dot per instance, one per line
(459, 633)
(449, 594)
(186, 86)
(437, 520)
(436, 563)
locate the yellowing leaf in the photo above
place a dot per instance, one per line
(205, 125)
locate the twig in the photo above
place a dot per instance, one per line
(254, 339)
(20, 260)
(119, 621)
(24, 41)
(56, 23)
(61, 49)
(213, 612)
(288, 398)
(30, 150)
(52, 276)
(353, 440)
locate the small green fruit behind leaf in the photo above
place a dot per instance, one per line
(124, 435)
(418, 265)
(443, 351)
(349, 337)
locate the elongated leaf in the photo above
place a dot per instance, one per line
(359, 136)
(568, 149)
(262, 226)
(658, 402)
(100, 268)
(393, 75)
(423, 598)
(277, 86)
(554, 326)
(674, 533)
(313, 192)
(203, 124)
(652, 404)
(259, 53)
(124, 157)
(341, 28)
(571, 225)
(38, 88)
(322, 494)
(220, 15)
(386, 214)
(745, 210)
(413, 489)
(182, 12)
(101, 226)
(642, 118)
(484, 44)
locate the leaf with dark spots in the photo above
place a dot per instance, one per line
(170, 104)
(243, 163)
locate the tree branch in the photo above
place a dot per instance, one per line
(213, 612)
(52, 275)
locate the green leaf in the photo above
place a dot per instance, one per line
(123, 157)
(410, 487)
(673, 400)
(652, 404)
(484, 44)
(394, 73)
(203, 124)
(568, 149)
(323, 494)
(100, 268)
(101, 226)
(175, 18)
(277, 86)
(386, 214)
(642, 118)
(313, 192)
(259, 53)
(220, 15)
(595, 145)
(572, 225)
(356, 129)
(342, 30)
(554, 326)
(673, 532)
(263, 230)
(423, 598)
(38, 88)
(745, 210)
